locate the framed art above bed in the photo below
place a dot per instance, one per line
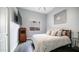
(61, 17)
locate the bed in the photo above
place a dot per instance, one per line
(46, 43)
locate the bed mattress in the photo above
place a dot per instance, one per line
(46, 43)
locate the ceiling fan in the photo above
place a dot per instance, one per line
(42, 8)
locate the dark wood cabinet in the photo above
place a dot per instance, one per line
(22, 35)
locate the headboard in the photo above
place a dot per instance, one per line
(66, 33)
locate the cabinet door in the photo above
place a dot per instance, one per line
(3, 29)
(4, 20)
(3, 43)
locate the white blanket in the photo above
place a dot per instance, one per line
(45, 43)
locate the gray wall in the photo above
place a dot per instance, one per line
(72, 18)
(28, 16)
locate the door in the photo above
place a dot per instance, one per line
(3, 29)
(13, 35)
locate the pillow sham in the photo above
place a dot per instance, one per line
(49, 32)
(64, 33)
(53, 33)
(56, 32)
(59, 33)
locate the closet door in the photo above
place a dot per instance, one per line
(3, 43)
(3, 29)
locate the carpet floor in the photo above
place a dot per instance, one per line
(65, 49)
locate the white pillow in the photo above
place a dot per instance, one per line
(53, 33)
(56, 32)
(49, 32)
(59, 33)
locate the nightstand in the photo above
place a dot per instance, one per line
(73, 41)
(75, 44)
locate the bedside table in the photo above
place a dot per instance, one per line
(73, 41)
(76, 44)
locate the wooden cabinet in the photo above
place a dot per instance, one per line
(22, 35)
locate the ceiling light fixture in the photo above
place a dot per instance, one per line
(42, 8)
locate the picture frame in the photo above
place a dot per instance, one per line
(35, 26)
(61, 17)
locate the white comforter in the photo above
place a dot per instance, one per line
(45, 43)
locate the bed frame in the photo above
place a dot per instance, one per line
(69, 34)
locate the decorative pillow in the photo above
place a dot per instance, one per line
(59, 33)
(64, 33)
(56, 33)
(53, 33)
(49, 32)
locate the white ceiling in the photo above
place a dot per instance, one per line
(43, 10)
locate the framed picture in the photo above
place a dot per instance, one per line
(60, 18)
(35, 26)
